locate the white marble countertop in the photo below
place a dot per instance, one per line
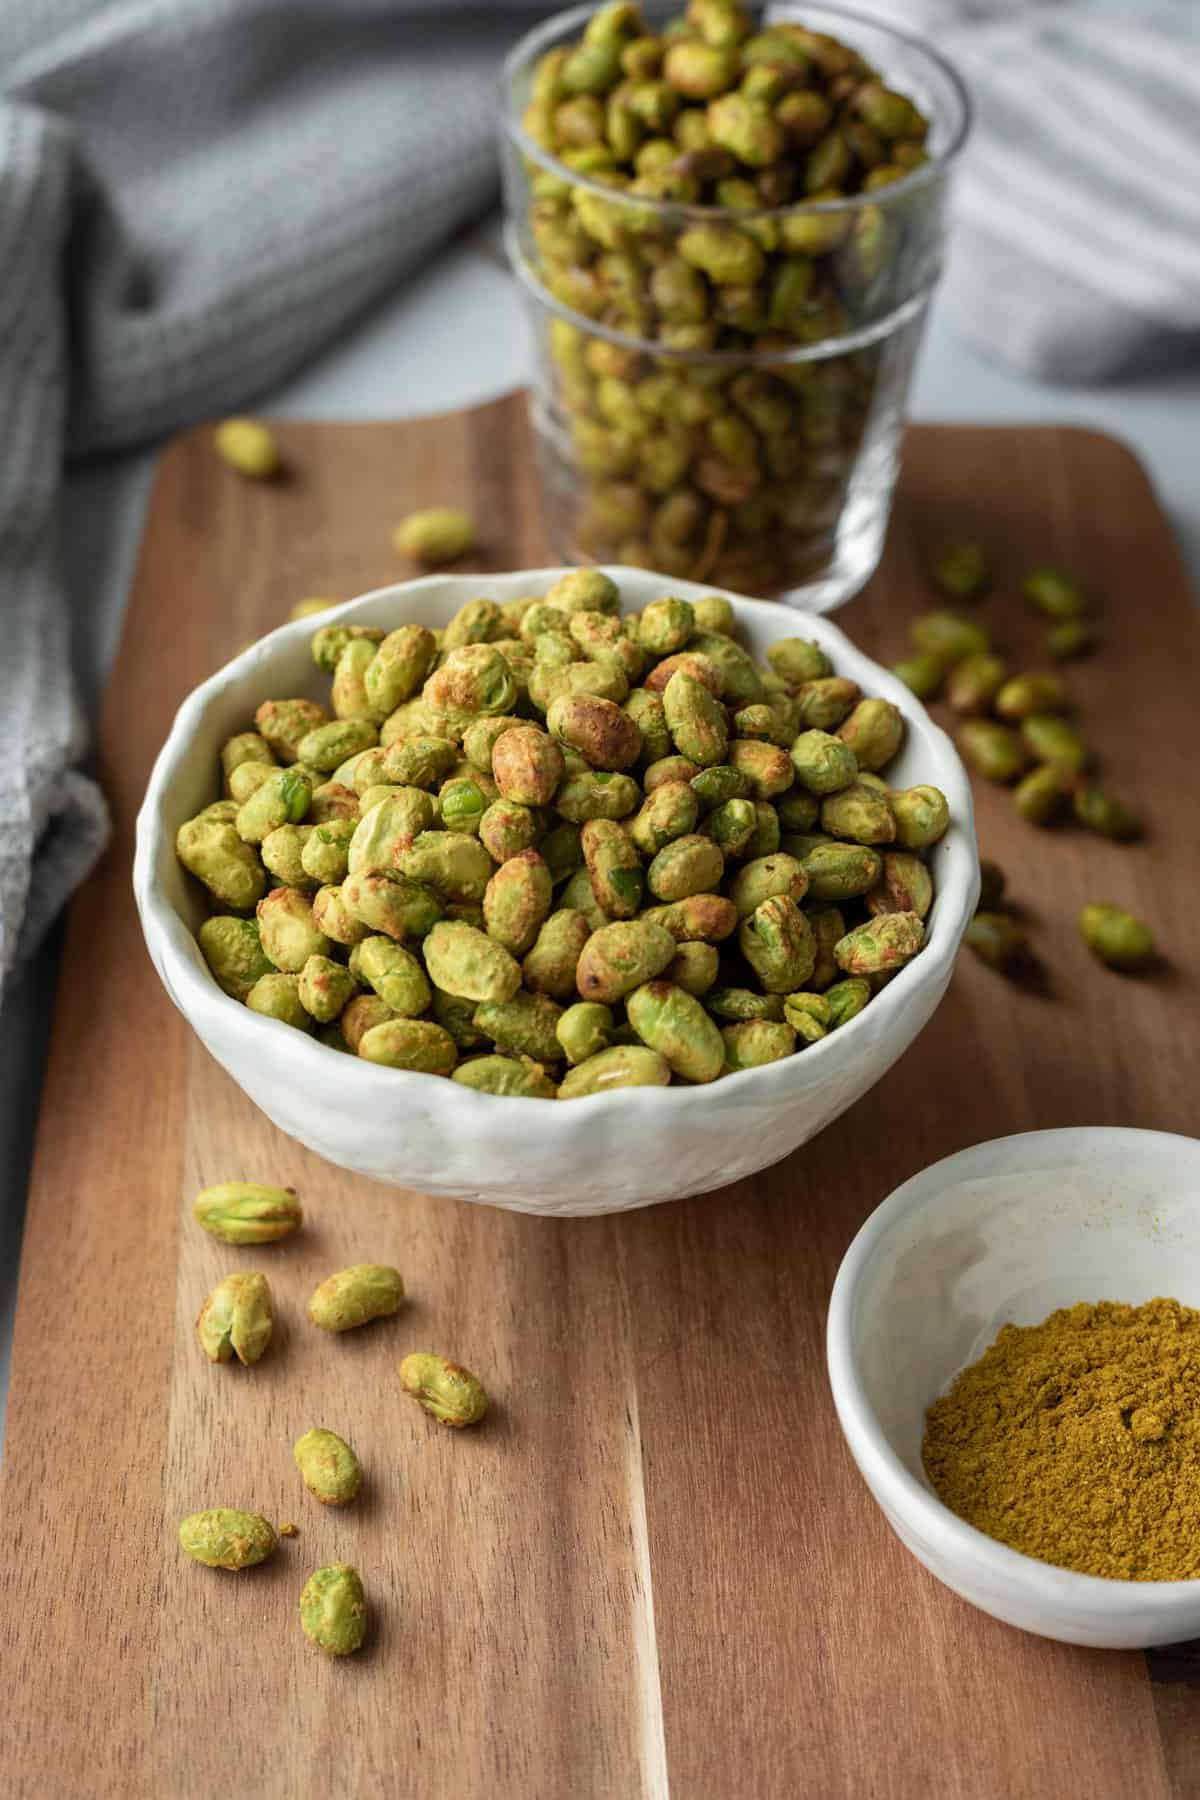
(452, 339)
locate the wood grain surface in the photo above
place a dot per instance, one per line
(654, 1570)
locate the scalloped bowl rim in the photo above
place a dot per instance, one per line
(183, 972)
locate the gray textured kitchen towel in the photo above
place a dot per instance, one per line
(196, 194)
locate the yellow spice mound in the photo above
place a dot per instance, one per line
(1077, 1441)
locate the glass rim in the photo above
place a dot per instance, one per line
(819, 351)
(532, 44)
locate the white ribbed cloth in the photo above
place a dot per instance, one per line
(195, 195)
(1076, 246)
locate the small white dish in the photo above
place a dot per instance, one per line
(1006, 1233)
(603, 1154)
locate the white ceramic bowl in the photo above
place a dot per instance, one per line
(602, 1154)
(1006, 1233)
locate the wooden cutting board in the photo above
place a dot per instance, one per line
(654, 1570)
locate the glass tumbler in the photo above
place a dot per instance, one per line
(719, 392)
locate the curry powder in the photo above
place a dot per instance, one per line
(1078, 1440)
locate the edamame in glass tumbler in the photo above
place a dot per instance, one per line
(728, 223)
